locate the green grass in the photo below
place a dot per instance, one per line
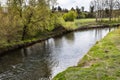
(77, 23)
(102, 62)
(87, 22)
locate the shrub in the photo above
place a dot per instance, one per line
(70, 16)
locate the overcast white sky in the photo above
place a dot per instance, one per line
(2, 1)
(73, 3)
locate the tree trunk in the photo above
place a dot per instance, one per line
(110, 15)
(24, 32)
(96, 17)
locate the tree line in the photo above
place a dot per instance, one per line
(79, 11)
(106, 8)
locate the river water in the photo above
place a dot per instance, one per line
(42, 61)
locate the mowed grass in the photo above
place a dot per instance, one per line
(102, 62)
(87, 22)
(77, 23)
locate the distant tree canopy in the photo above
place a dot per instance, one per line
(80, 13)
(72, 9)
(91, 13)
(82, 8)
(59, 8)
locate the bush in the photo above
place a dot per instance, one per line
(70, 16)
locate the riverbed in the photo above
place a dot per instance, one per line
(42, 61)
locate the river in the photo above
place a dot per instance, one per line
(42, 61)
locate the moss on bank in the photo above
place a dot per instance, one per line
(101, 63)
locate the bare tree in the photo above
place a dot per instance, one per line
(118, 9)
(94, 4)
(111, 5)
(99, 8)
(118, 4)
(101, 5)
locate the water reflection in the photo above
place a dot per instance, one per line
(70, 38)
(45, 60)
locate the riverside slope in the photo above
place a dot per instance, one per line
(102, 62)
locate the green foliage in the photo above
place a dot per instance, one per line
(88, 22)
(81, 15)
(90, 15)
(23, 20)
(70, 16)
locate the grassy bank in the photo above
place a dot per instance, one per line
(102, 62)
(88, 22)
(77, 23)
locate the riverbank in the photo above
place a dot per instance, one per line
(100, 63)
(88, 22)
(56, 32)
(17, 45)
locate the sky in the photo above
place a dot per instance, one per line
(3, 2)
(73, 3)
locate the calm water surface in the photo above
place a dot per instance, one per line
(42, 61)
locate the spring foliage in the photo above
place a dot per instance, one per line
(22, 19)
(70, 16)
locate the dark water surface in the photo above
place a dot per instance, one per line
(43, 61)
